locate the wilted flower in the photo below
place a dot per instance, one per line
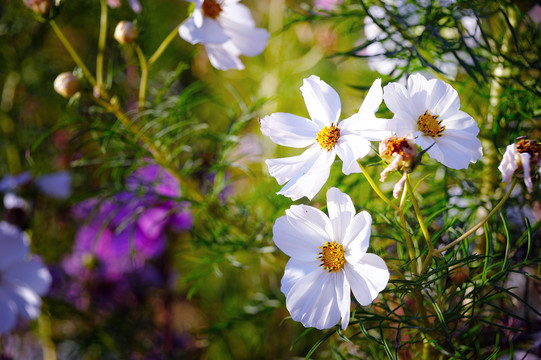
(525, 155)
(325, 137)
(41, 7)
(227, 30)
(400, 154)
(22, 278)
(328, 258)
(127, 229)
(66, 84)
(429, 110)
(134, 4)
(125, 32)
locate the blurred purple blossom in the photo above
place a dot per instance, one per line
(120, 233)
(134, 4)
(327, 4)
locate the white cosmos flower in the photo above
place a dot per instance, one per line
(22, 279)
(429, 110)
(525, 154)
(328, 258)
(227, 30)
(324, 136)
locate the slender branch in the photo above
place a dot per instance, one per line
(481, 223)
(101, 44)
(376, 188)
(165, 43)
(73, 53)
(409, 243)
(144, 76)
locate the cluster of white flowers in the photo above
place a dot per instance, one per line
(227, 30)
(329, 254)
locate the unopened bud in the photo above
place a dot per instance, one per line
(460, 274)
(41, 7)
(125, 32)
(66, 84)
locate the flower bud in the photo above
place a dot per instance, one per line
(41, 7)
(66, 84)
(125, 32)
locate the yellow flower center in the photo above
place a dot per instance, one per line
(328, 136)
(211, 8)
(430, 125)
(331, 257)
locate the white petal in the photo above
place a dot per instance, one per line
(32, 274)
(402, 124)
(13, 245)
(525, 160)
(294, 271)
(312, 300)
(247, 39)
(461, 121)
(322, 102)
(224, 56)
(301, 232)
(238, 13)
(357, 237)
(284, 169)
(366, 125)
(341, 212)
(398, 100)
(458, 149)
(441, 98)
(8, 312)
(310, 178)
(373, 98)
(367, 278)
(289, 130)
(210, 32)
(343, 297)
(349, 149)
(509, 165)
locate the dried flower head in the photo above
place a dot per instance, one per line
(524, 156)
(400, 154)
(40, 7)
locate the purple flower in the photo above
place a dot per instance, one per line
(129, 228)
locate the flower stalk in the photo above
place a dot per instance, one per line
(73, 53)
(480, 223)
(101, 45)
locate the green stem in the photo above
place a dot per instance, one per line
(73, 53)
(481, 223)
(424, 229)
(376, 188)
(409, 243)
(420, 218)
(101, 44)
(165, 43)
(144, 77)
